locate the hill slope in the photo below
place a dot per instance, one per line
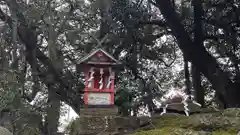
(225, 122)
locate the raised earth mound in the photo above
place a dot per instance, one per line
(206, 122)
(226, 122)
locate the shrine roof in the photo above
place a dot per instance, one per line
(88, 56)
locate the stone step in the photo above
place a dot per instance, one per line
(104, 111)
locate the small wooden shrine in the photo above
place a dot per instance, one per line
(99, 70)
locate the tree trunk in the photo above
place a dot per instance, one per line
(198, 55)
(14, 40)
(28, 36)
(3, 62)
(53, 113)
(105, 7)
(198, 41)
(187, 76)
(198, 89)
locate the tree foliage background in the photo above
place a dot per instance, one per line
(189, 45)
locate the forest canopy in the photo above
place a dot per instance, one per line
(189, 45)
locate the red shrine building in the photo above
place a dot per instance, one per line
(98, 67)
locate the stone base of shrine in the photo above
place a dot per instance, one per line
(99, 110)
(104, 120)
(106, 125)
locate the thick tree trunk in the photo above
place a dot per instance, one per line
(187, 76)
(198, 89)
(66, 93)
(198, 55)
(3, 62)
(14, 40)
(105, 7)
(53, 113)
(198, 41)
